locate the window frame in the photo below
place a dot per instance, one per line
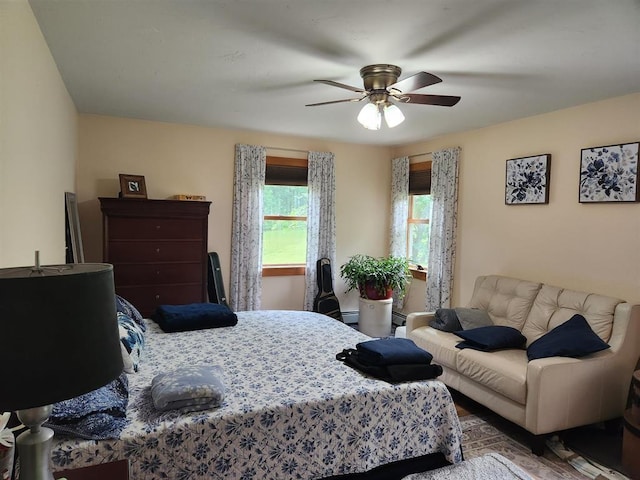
(284, 270)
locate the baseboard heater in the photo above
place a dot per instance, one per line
(351, 317)
(398, 318)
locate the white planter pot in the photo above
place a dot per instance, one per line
(375, 317)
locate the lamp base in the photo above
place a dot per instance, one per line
(34, 445)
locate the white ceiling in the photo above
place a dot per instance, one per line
(250, 64)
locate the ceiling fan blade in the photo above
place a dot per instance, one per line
(415, 82)
(442, 100)
(341, 85)
(335, 101)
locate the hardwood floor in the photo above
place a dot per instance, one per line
(594, 442)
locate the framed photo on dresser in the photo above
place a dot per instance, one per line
(132, 186)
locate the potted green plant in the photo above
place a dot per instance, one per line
(376, 278)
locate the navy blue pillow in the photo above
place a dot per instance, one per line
(573, 338)
(492, 337)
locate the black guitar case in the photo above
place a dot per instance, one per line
(326, 301)
(215, 285)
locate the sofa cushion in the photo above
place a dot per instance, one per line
(504, 371)
(573, 338)
(488, 339)
(506, 300)
(554, 306)
(442, 345)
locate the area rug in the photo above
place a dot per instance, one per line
(488, 433)
(491, 466)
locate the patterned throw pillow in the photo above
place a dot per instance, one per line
(124, 306)
(132, 339)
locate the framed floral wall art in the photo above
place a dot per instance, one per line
(609, 174)
(527, 180)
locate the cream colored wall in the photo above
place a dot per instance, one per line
(196, 160)
(589, 247)
(37, 142)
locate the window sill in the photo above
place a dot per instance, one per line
(418, 274)
(283, 270)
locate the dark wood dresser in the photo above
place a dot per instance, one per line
(118, 470)
(158, 249)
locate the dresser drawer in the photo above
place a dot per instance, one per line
(147, 297)
(129, 274)
(154, 228)
(118, 470)
(152, 251)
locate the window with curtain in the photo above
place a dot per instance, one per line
(284, 231)
(419, 213)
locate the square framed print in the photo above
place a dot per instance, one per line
(609, 174)
(132, 186)
(527, 180)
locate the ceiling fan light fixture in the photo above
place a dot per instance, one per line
(393, 115)
(370, 117)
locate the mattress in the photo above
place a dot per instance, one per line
(291, 410)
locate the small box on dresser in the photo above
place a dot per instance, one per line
(158, 249)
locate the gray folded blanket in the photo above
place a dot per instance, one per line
(188, 389)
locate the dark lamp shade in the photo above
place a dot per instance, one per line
(59, 332)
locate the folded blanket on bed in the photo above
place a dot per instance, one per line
(194, 316)
(392, 351)
(390, 373)
(97, 415)
(191, 388)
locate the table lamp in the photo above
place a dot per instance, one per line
(59, 332)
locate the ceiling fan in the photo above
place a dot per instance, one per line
(381, 86)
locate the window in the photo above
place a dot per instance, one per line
(419, 214)
(284, 231)
(418, 229)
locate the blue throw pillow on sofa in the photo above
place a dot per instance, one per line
(492, 337)
(573, 338)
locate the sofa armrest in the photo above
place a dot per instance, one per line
(418, 319)
(568, 392)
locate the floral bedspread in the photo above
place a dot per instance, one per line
(291, 410)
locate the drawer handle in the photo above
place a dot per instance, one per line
(157, 227)
(157, 250)
(157, 297)
(157, 272)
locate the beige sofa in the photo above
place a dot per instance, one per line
(548, 394)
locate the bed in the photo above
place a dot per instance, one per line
(291, 410)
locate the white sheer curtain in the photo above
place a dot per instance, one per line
(246, 235)
(443, 226)
(399, 213)
(321, 224)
